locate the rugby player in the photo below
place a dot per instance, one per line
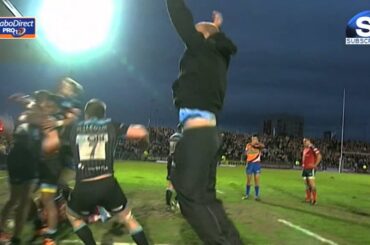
(174, 139)
(22, 165)
(93, 143)
(310, 160)
(253, 159)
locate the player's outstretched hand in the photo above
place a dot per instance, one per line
(137, 132)
(217, 18)
(18, 97)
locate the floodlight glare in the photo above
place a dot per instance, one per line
(75, 26)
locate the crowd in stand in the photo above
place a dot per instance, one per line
(280, 149)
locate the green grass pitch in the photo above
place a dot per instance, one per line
(342, 214)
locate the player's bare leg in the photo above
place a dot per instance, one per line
(312, 185)
(25, 200)
(81, 229)
(47, 199)
(257, 186)
(308, 190)
(126, 218)
(15, 192)
(169, 193)
(247, 187)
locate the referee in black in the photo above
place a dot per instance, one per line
(198, 95)
(93, 143)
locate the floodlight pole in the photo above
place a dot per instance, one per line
(12, 8)
(342, 136)
(150, 112)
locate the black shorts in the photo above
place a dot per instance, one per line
(309, 173)
(22, 166)
(50, 170)
(105, 193)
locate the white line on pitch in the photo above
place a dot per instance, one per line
(2, 177)
(80, 242)
(221, 192)
(307, 232)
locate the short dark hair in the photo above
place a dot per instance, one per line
(45, 95)
(42, 95)
(95, 108)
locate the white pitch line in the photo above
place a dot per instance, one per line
(221, 192)
(2, 177)
(80, 242)
(307, 232)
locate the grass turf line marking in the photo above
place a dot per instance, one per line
(221, 192)
(307, 232)
(80, 242)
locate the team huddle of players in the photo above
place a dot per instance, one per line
(47, 143)
(43, 147)
(40, 152)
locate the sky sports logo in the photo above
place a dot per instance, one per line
(358, 29)
(17, 28)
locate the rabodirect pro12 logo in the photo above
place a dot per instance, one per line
(17, 28)
(358, 29)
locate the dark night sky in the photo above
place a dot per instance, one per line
(292, 59)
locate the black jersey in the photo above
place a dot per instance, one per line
(174, 139)
(93, 143)
(203, 67)
(68, 104)
(24, 155)
(28, 137)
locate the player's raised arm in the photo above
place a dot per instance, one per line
(182, 20)
(247, 147)
(25, 100)
(259, 145)
(70, 118)
(31, 117)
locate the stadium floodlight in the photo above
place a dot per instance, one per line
(75, 26)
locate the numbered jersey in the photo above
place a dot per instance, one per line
(94, 142)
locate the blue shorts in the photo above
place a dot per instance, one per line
(253, 168)
(186, 113)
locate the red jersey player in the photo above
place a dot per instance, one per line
(310, 159)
